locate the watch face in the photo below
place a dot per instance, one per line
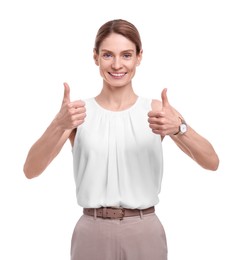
(183, 128)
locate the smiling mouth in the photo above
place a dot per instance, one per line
(117, 75)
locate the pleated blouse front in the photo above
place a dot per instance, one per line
(117, 159)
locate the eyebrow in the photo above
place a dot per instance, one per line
(129, 50)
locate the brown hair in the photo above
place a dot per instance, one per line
(118, 26)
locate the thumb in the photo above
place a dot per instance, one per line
(164, 98)
(66, 97)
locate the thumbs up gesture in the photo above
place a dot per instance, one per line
(164, 120)
(71, 114)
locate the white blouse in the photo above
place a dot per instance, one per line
(117, 159)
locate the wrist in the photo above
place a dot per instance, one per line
(182, 129)
(57, 125)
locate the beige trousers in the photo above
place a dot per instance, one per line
(133, 238)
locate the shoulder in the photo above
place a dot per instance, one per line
(156, 104)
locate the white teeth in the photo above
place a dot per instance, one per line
(117, 74)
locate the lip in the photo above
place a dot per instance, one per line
(118, 75)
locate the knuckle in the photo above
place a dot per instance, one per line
(72, 118)
(69, 105)
(151, 126)
(79, 122)
(70, 111)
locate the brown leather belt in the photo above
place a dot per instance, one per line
(117, 213)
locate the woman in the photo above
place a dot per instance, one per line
(117, 154)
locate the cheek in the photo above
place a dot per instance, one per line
(104, 65)
(103, 69)
(133, 67)
(134, 64)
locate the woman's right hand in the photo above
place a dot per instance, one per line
(71, 114)
(45, 149)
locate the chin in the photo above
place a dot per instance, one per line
(117, 83)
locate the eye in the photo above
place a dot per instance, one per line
(107, 55)
(127, 55)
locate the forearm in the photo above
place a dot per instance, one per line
(45, 150)
(198, 148)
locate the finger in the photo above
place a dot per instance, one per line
(77, 111)
(158, 130)
(156, 114)
(78, 117)
(157, 121)
(66, 98)
(154, 126)
(76, 104)
(164, 98)
(162, 135)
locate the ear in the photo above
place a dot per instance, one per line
(139, 58)
(95, 57)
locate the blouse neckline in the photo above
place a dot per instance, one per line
(113, 111)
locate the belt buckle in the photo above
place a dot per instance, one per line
(120, 212)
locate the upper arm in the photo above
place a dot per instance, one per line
(72, 136)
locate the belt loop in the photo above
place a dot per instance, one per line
(104, 212)
(95, 213)
(141, 213)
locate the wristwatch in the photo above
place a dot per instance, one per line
(182, 127)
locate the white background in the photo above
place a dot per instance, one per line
(191, 47)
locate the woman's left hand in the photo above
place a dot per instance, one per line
(165, 121)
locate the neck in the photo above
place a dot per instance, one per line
(116, 98)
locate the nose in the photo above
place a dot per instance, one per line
(116, 63)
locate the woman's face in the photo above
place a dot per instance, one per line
(117, 60)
